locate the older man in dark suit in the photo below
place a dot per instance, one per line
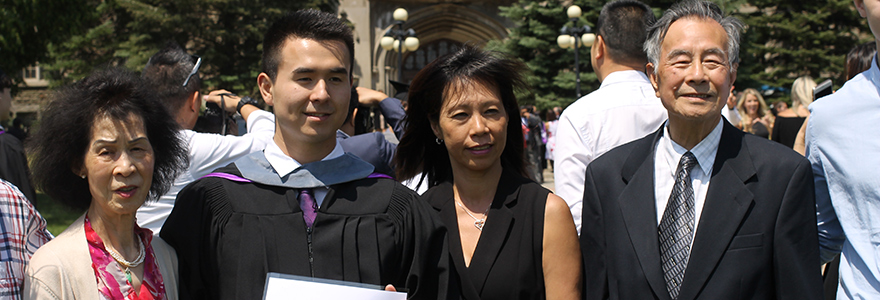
(699, 210)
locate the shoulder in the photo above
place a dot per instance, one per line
(12, 196)
(555, 207)
(9, 141)
(772, 160)
(616, 157)
(57, 255)
(852, 98)
(764, 150)
(365, 140)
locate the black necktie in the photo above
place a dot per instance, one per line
(677, 226)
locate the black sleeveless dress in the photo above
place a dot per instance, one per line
(507, 262)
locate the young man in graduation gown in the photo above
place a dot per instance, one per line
(302, 206)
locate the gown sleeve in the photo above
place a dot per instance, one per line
(428, 266)
(192, 229)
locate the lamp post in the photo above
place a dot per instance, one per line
(400, 40)
(575, 37)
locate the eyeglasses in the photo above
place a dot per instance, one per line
(195, 69)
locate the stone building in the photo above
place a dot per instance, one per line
(441, 26)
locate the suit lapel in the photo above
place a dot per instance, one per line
(444, 202)
(496, 231)
(637, 205)
(492, 239)
(727, 202)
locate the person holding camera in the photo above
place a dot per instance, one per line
(173, 75)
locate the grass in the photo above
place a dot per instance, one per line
(57, 216)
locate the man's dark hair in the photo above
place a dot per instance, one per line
(623, 25)
(304, 24)
(165, 73)
(859, 59)
(65, 131)
(451, 76)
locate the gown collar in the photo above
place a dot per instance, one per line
(345, 168)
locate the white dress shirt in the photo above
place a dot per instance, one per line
(285, 165)
(207, 152)
(666, 158)
(623, 109)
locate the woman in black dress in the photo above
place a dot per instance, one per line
(756, 118)
(509, 238)
(788, 122)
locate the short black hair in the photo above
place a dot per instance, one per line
(450, 75)
(65, 129)
(304, 24)
(623, 25)
(165, 73)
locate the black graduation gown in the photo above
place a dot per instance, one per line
(229, 235)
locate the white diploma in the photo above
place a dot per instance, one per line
(284, 286)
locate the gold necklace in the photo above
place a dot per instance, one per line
(478, 223)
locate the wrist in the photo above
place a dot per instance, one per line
(244, 101)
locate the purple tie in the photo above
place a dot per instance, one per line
(308, 205)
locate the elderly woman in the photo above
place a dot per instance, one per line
(509, 238)
(756, 118)
(104, 146)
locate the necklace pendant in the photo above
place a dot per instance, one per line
(128, 274)
(479, 224)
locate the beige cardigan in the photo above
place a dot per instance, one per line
(62, 268)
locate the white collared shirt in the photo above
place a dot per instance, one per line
(284, 165)
(207, 152)
(666, 158)
(623, 109)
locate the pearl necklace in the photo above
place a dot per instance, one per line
(478, 223)
(128, 265)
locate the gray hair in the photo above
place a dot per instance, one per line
(696, 9)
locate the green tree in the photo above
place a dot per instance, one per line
(28, 27)
(787, 39)
(552, 77)
(784, 39)
(226, 34)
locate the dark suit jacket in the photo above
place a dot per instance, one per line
(372, 147)
(756, 239)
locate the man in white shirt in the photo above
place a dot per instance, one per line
(173, 74)
(624, 107)
(699, 209)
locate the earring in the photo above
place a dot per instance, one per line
(83, 176)
(438, 141)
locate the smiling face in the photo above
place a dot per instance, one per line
(473, 125)
(118, 165)
(693, 77)
(751, 104)
(310, 93)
